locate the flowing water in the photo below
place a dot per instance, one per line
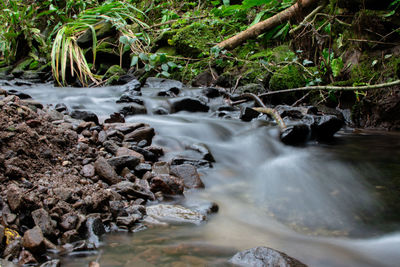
(332, 204)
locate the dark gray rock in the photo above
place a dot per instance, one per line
(70, 237)
(60, 107)
(248, 114)
(105, 171)
(124, 161)
(160, 111)
(172, 92)
(188, 173)
(211, 92)
(326, 126)
(133, 109)
(198, 163)
(132, 85)
(33, 240)
(203, 150)
(110, 146)
(190, 104)
(93, 229)
(142, 168)
(263, 256)
(51, 263)
(69, 221)
(85, 115)
(148, 155)
(295, 134)
(130, 99)
(116, 117)
(161, 83)
(20, 94)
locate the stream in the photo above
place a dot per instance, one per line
(325, 204)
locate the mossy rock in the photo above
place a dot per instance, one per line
(193, 40)
(169, 50)
(289, 76)
(115, 71)
(19, 69)
(277, 54)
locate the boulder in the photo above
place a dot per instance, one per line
(85, 115)
(133, 109)
(263, 256)
(326, 126)
(295, 134)
(248, 114)
(174, 214)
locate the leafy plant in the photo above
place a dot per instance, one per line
(66, 49)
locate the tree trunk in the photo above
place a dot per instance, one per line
(265, 25)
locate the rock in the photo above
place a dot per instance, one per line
(130, 99)
(211, 92)
(85, 115)
(172, 92)
(203, 150)
(167, 184)
(110, 146)
(70, 237)
(93, 230)
(123, 151)
(69, 221)
(142, 168)
(12, 250)
(198, 163)
(148, 155)
(144, 133)
(133, 109)
(206, 78)
(124, 161)
(60, 107)
(42, 219)
(88, 171)
(188, 173)
(248, 114)
(295, 134)
(128, 220)
(326, 126)
(21, 95)
(263, 256)
(174, 214)
(160, 167)
(134, 190)
(14, 197)
(190, 104)
(34, 241)
(161, 83)
(1, 233)
(253, 88)
(26, 258)
(105, 171)
(52, 263)
(160, 111)
(14, 172)
(115, 117)
(132, 85)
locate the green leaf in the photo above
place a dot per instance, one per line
(172, 64)
(226, 2)
(164, 67)
(153, 57)
(337, 66)
(143, 57)
(134, 61)
(165, 73)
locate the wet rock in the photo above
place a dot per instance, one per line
(190, 104)
(134, 190)
(198, 163)
(115, 117)
(142, 168)
(52, 263)
(132, 85)
(128, 220)
(167, 184)
(133, 109)
(14, 197)
(105, 171)
(69, 221)
(110, 146)
(148, 155)
(26, 258)
(34, 241)
(123, 151)
(88, 171)
(42, 219)
(203, 150)
(172, 92)
(211, 92)
(20, 94)
(93, 230)
(188, 173)
(174, 214)
(124, 161)
(161, 167)
(161, 83)
(130, 99)
(144, 133)
(160, 111)
(85, 115)
(263, 256)
(295, 134)
(248, 114)
(12, 250)
(60, 107)
(326, 126)
(70, 237)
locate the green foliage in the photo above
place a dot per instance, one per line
(289, 76)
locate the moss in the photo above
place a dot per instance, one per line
(113, 73)
(289, 76)
(193, 40)
(169, 50)
(34, 65)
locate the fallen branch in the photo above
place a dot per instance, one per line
(334, 88)
(265, 25)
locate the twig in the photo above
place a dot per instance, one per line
(371, 41)
(301, 99)
(236, 84)
(334, 88)
(305, 21)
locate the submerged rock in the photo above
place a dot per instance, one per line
(161, 83)
(295, 134)
(190, 104)
(326, 126)
(174, 214)
(263, 256)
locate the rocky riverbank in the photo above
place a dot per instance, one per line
(65, 182)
